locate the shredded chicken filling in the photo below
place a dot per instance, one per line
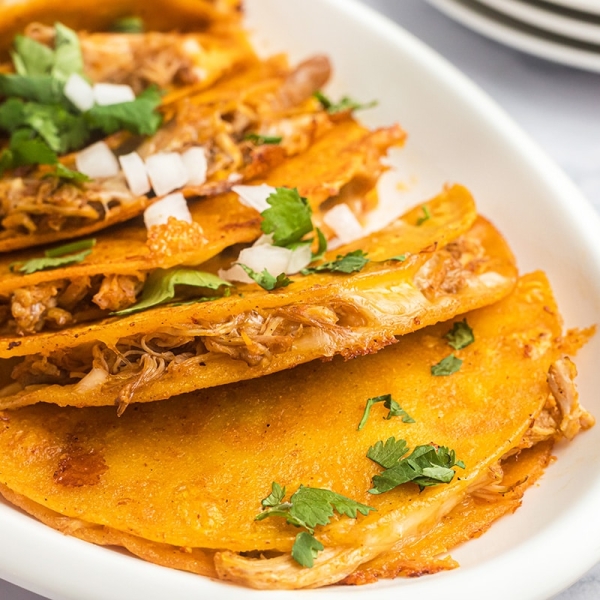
(62, 303)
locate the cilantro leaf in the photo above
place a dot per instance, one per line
(309, 507)
(160, 287)
(29, 150)
(40, 88)
(67, 174)
(266, 280)
(260, 140)
(426, 216)
(399, 258)
(128, 25)
(447, 366)
(12, 114)
(322, 248)
(68, 58)
(348, 263)
(62, 256)
(388, 454)
(427, 465)
(395, 410)
(71, 247)
(276, 496)
(32, 58)
(460, 336)
(343, 105)
(138, 116)
(288, 219)
(305, 549)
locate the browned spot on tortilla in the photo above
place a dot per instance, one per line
(79, 466)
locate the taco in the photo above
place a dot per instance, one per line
(241, 482)
(420, 273)
(343, 165)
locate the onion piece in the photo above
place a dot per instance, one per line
(344, 223)
(93, 380)
(300, 258)
(97, 161)
(274, 259)
(135, 173)
(106, 94)
(79, 92)
(166, 171)
(196, 165)
(173, 205)
(254, 196)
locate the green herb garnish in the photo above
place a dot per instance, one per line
(307, 508)
(399, 258)
(395, 410)
(261, 140)
(128, 25)
(345, 104)
(42, 121)
(161, 287)
(322, 248)
(426, 216)
(138, 116)
(266, 280)
(288, 219)
(69, 254)
(426, 466)
(348, 263)
(447, 366)
(460, 336)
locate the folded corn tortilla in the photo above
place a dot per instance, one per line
(420, 274)
(180, 482)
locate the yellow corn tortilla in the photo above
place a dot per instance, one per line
(49, 212)
(346, 154)
(158, 15)
(253, 333)
(189, 473)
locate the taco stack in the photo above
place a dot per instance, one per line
(210, 354)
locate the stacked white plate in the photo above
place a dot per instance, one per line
(564, 31)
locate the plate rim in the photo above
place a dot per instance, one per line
(547, 19)
(524, 41)
(585, 219)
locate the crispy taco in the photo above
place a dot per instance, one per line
(409, 275)
(342, 166)
(411, 444)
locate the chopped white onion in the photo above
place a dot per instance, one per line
(344, 223)
(274, 259)
(106, 94)
(264, 239)
(166, 171)
(93, 380)
(235, 273)
(192, 46)
(300, 257)
(135, 173)
(79, 92)
(254, 196)
(97, 161)
(196, 165)
(173, 205)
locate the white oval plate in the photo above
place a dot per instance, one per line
(457, 134)
(590, 6)
(547, 19)
(520, 36)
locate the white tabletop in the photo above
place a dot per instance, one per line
(559, 107)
